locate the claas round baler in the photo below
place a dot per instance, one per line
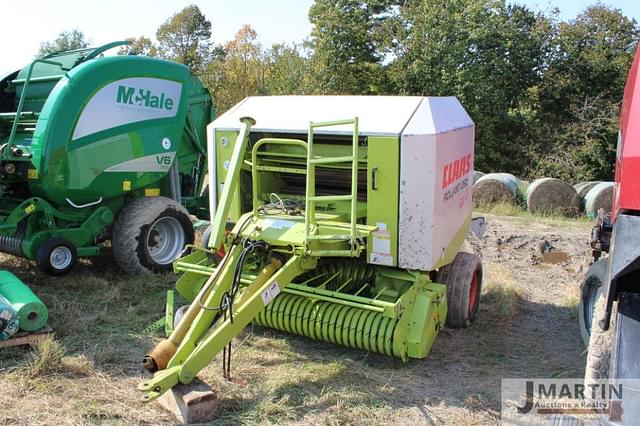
(338, 218)
(96, 148)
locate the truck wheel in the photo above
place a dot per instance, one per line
(149, 234)
(463, 278)
(600, 345)
(56, 256)
(591, 289)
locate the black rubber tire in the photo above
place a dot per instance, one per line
(600, 346)
(205, 237)
(591, 288)
(43, 256)
(131, 233)
(458, 276)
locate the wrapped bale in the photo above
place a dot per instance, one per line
(599, 197)
(32, 313)
(477, 175)
(8, 320)
(550, 195)
(495, 188)
(583, 187)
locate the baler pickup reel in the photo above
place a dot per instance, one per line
(266, 250)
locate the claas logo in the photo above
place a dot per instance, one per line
(455, 170)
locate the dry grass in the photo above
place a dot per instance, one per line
(89, 373)
(501, 291)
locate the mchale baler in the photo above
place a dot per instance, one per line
(342, 231)
(94, 148)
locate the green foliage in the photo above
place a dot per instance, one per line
(544, 94)
(487, 54)
(581, 93)
(139, 46)
(346, 41)
(186, 38)
(66, 40)
(288, 71)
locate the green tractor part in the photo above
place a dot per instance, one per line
(345, 231)
(96, 148)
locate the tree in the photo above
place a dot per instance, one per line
(186, 38)
(581, 94)
(488, 54)
(240, 72)
(139, 46)
(346, 41)
(287, 71)
(66, 40)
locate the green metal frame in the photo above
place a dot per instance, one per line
(310, 224)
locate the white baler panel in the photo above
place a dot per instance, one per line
(378, 115)
(417, 177)
(435, 181)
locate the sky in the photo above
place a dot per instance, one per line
(27, 23)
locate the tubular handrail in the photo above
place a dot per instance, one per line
(23, 95)
(255, 166)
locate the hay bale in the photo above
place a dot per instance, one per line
(477, 175)
(599, 197)
(550, 195)
(495, 188)
(583, 187)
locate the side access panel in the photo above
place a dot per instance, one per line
(383, 163)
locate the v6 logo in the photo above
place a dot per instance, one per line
(163, 160)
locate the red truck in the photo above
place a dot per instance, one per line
(610, 303)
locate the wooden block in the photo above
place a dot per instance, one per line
(192, 403)
(26, 338)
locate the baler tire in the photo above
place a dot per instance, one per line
(131, 233)
(204, 243)
(43, 256)
(590, 290)
(600, 346)
(459, 277)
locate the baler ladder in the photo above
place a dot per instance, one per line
(313, 161)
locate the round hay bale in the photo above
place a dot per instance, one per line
(477, 175)
(599, 197)
(583, 187)
(495, 188)
(550, 195)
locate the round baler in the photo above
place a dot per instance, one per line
(96, 148)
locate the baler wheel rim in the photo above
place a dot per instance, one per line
(60, 257)
(165, 240)
(56, 256)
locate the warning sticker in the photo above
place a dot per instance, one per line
(381, 242)
(278, 224)
(270, 293)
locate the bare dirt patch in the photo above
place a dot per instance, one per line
(526, 327)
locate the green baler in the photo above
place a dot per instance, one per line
(96, 148)
(348, 216)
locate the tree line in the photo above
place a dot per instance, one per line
(544, 93)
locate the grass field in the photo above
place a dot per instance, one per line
(89, 372)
